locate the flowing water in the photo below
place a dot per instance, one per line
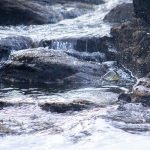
(88, 25)
(26, 126)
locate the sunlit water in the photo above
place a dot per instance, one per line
(29, 127)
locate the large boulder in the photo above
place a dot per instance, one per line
(49, 66)
(57, 66)
(142, 9)
(22, 12)
(120, 13)
(132, 40)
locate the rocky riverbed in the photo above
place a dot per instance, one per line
(74, 75)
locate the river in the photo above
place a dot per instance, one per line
(26, 126)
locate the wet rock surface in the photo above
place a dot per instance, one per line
(142, 9)
(80, 44)
(132, 40)
(34, 65)
(124, 98)
(14, 43)
(120, 14)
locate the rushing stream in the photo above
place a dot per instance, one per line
(25, 126)
(90, 25)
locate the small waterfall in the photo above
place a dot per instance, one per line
(62, 45)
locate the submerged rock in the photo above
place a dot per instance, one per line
(64, 107)
(125, 113)
(124, 98)
(130, 117)
(120, 13)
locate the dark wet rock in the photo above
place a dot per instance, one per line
(5, 104)
(141, 91)
(120, 13)
(14, 43)
(124, 98)
(50, 66)
(40, 11)
(82, 44)
(91, 45)
(132, 40)
(142, 9)
(22, 12)
(60, 107)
